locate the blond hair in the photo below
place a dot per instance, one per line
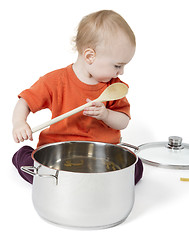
(97, 26)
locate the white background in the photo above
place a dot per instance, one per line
(36, 39)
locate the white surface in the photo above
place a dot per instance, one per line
(35, 39)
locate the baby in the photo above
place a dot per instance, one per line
(105, 44)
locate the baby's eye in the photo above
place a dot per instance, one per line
(117, 66)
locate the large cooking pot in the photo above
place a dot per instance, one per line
(83, 184)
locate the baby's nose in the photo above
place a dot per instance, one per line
(120, 72)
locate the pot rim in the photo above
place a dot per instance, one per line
(93, 142)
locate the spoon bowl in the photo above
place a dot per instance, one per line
(113, 92)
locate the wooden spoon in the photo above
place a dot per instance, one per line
(113, 92)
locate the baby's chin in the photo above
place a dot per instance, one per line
(105, 80)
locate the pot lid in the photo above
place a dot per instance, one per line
(171, 154)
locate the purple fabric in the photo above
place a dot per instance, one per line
(138, 170)
(23, 158)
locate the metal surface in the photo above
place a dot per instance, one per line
(159, 155)
(34, 171)
(172, 154)
(175, 143)
(129, 145)
(95, 184)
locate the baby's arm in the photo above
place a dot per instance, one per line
(21, 129)
(113, 119)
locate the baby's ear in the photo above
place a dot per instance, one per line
(89, 55)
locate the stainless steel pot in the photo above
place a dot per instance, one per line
(83, 184)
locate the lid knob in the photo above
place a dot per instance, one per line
(175, 143)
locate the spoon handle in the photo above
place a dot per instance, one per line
(61, 117)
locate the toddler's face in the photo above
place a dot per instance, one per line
(111, 58)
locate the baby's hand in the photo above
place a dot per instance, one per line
(22, 131)
(97, 110)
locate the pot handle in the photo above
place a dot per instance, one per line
(31, 170)
(34, 172)
(128, 145)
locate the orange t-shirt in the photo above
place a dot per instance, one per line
(61, 91)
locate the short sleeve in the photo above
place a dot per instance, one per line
(121, 105)
(38, 96)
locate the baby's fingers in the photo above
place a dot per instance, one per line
(29, 134)
(16, 139)
(93, 112)
(24, 134)
(98, 104)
